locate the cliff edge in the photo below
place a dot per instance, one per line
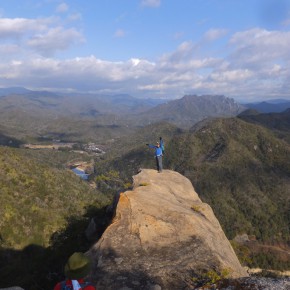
(162, 237)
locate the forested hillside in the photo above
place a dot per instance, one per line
(279, 123)
(240, 167)
(242, 170)
(37, 200)
(44, 210)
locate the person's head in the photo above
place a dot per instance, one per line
(157, 144)
(77, 267)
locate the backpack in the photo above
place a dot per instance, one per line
(162, 146)
(70, 287)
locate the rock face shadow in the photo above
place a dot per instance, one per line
(40, 268)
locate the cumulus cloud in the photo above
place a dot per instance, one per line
(87, 73)
(17, 27)
(259, 48)
(255, 62)
(55, 39)
(46, 36)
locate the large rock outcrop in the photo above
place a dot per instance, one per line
(162, 236)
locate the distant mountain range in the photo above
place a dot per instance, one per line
(13, 90)
(191, 107)
(76, 103)
(270, 106)
(31, 113)
(56, 115)
(25, 113)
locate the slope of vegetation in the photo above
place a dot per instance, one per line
(242, 170)
(279, 123)
(54, 158)
(44, 213)
(36, 200)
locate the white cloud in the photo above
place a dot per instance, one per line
(255, 62)
(183, 52)
(17, 27)
(46, 36)
(61, 8)
(54, 40)
(257, 65)
(140, 77)
(239, 75)
(266, 55)
(8, 49)
(87, 73)
(151, 3)
(257, 44)
(214, 34)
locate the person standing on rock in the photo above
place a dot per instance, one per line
(158, 155)
(76, 269)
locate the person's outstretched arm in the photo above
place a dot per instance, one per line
(151, 146)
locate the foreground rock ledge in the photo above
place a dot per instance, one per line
(162, 236)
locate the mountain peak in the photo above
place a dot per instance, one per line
(191, 109)
(162, 234)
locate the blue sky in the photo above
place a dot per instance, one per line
(148, 48)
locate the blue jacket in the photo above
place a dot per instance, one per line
(158, 150)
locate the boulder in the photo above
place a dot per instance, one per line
(162, 237)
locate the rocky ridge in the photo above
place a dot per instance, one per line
(162, 237)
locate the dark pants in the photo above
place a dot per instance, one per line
(159, 163)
